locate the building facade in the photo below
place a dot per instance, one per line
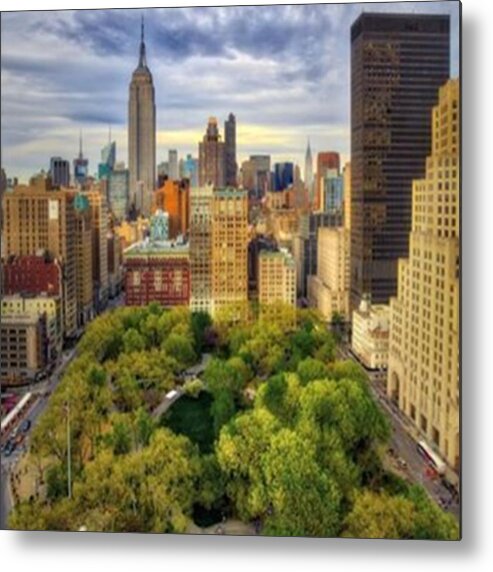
(23, 348)
(230, 166)
(276, 279)
(283, 176)
(229, 249)
(59, 172)
(305, 245)
(118, 191)
(398, 62)
(39, 306)
(174, 198)
(326, 161)
(309, 173)
(142, 134)
(157, 271)
(99, 224)
(328, 290)
(212, 157)
(201, 248)
(424, 360)
(370, 335)
(44, 221)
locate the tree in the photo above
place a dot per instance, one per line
(431, 523)
(222, 409)
(304, 500)
(181, 348)
(133, 341)
(311, 369)
(200, 323)
(376, 515)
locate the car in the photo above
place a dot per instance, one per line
(9, 448)
(25, 426)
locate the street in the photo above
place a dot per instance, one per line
(42, 391)
(405, 459)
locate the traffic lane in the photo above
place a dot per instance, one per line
(405, 448)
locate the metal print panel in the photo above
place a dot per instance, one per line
(230, 270)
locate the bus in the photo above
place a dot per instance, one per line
(15, 414)
(431, 457)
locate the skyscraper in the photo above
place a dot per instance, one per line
(283, 176)
(423, 371)
(59, 172)
(211, 156)
(142, 134)
(309, 172)
(173, 172)
(39, 219)
(398, 62)
(81, 166)
(229, 251)
(230, 166)
(118, 191)
(108, 159)
(326, 161)
(201, 248)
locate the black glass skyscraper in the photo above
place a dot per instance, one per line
(230, 166)
(398, 62)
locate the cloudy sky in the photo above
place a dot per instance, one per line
(283, 71)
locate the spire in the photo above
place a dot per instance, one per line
(142, 53)
(308, 149)
(80, 145)
(109, 134)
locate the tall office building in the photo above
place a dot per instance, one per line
(84, 260)
(44, 220)
(276, 278)
(398, 62)
(201, 248)
(99, 225)
(59, 172)
(423, 373)
(283, 176)
(309, 172)
(230, 165)
(173, 171)
(81, 167)
(255, 174)
(118, 191)
(326, 161)
(229, 251)
(174, 198)
(328, 289)
(346, 185)
(108, 160)
(142, 134)
(305, 245)
(191, 170)
(211, 157)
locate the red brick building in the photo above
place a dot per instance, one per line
(157, 272)
(31, 274)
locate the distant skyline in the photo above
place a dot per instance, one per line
(284, 71)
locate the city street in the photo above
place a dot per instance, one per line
(406, 460)
(42, 391)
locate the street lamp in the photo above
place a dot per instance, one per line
(69, 461)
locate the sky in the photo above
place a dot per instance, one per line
(282, 70)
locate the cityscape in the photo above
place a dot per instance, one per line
(241, 319)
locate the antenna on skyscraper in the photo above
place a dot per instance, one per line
(109, 133)
(80, 144)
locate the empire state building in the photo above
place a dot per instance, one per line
(142, 134)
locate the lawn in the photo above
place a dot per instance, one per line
(191, 416)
